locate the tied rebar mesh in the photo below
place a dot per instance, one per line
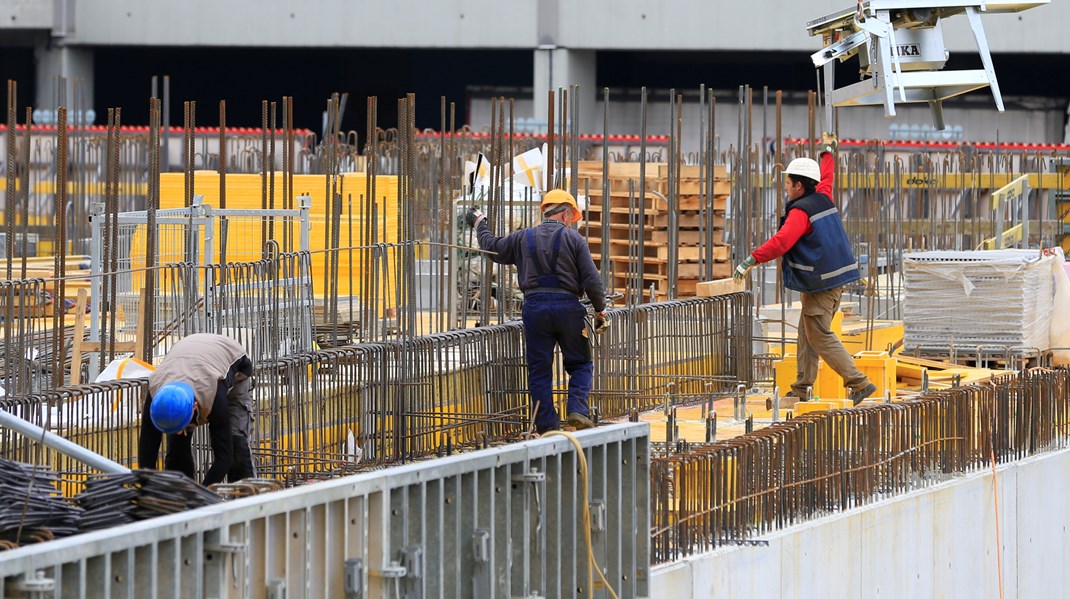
(733, 491)
(336, 410)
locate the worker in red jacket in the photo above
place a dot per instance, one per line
(818, 262)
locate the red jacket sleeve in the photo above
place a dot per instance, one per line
(795, 226)
(828, 175)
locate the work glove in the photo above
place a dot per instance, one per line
(829, 143)
(743, 268)
(601, 323)
(473, 216)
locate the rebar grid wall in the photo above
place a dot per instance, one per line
(894, 196)
(332, 411)
(498, 523)
(731, 492)
(88, 150)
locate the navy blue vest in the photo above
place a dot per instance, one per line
(823, 259)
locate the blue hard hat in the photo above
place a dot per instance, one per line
(172, 407)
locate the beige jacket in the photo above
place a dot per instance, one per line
(202, 360)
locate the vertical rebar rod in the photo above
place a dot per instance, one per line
(549, 164)
(10, 191)
(152, 204)
(59, 352)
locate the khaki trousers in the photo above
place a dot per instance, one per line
(816, 339)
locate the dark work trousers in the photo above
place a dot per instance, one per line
(179, 447)
(556, 319)
(240, 404)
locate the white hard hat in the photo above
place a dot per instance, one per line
(804, 167)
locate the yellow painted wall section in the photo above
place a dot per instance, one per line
(245, 236)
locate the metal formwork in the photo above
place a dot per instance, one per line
(499, 523)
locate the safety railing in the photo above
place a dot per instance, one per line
(733, 491)
(502, 522)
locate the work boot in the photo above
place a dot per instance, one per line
(579, 421)
(542, 430)
(864, 392)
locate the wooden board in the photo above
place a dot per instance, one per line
(719, 287)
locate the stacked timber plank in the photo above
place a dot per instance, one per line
(34, 300)
(648, 229)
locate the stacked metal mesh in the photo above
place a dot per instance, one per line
(979, 298)
(115, 499)
(31, 508)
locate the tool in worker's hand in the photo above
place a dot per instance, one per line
(743, 268)
(473, 216)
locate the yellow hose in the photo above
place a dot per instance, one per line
(586, 514)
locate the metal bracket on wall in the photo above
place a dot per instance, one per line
(354, 578)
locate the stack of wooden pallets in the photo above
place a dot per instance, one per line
(699, 229)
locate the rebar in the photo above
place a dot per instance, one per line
(824, 462)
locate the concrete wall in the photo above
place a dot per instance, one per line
(1038, 121)
(938, 542)
(591, 24)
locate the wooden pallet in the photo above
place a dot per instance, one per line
(637, 225)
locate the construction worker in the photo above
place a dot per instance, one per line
(204, 379)
(554, 269)
(818, 262)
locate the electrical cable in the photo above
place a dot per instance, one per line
(995, 497)
(586, 514)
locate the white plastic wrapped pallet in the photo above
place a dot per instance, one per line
(1002, 298)
(1060, 316)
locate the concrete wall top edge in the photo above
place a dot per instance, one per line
(1007, 469)
(25, 14)
(689, 25)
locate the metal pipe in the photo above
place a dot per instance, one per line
(67, 448)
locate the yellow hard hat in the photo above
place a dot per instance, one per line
(560, 196)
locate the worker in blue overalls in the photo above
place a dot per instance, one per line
(554, 269)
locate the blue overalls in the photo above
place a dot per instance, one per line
(554, 317)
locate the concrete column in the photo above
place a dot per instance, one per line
(73, 64)
(561, 68)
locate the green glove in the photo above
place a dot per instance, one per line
(601, 323)
(829, 143)
(743, 268)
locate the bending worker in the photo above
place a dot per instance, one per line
(554, 269)
(204, 379)
(818, 262)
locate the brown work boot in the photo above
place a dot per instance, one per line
(579, 421)
(862, 393)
